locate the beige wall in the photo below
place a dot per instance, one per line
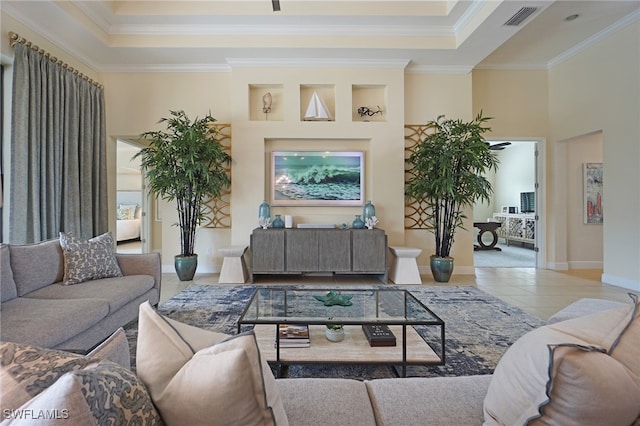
(134, 104)
(599, 90)
(584, 241)
(426, 97)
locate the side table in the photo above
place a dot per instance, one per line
(234, 269)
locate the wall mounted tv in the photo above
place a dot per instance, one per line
(527, 202)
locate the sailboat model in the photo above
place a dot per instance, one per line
(317, 110)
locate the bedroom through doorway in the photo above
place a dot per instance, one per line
(129, 200)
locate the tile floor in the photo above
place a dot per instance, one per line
(540, 292)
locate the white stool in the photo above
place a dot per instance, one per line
(404, 269)
(234, 270)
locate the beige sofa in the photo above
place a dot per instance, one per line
(192, 376)
(37, 309)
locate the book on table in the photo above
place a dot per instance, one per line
(379, 335)
(294, 335)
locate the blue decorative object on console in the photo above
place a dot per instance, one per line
(277, 222)
(264, 211)
(358, 223)
(369, 211)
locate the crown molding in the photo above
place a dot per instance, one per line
(126, 68)
(279, 30)
(316, 62)
(437, 69)
(596, 38)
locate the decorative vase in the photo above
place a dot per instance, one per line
(358, 223)
(264, 211)
(369, 211)
(277, 222)
(441, 268)
(186, 266)
(334, 335)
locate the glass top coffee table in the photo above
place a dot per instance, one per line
(398, 309)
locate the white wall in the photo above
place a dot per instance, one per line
(516, 174)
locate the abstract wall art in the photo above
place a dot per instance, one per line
(592, 174)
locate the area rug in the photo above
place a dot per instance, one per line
(478, 327)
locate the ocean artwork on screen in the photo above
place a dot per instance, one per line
(313, 178)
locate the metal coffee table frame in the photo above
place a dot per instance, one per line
(393, 307)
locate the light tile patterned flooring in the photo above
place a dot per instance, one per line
(540, 292)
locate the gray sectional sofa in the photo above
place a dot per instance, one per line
(37, 309)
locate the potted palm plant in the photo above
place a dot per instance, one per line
(447, 171)
(188, 164)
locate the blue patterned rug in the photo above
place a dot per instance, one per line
(478, 327)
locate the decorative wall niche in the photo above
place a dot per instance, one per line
(326, 92)
(368, 102)
(266, 102)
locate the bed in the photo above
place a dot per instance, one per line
(128, 215)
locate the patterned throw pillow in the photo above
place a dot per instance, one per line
(25, 371)
(101, 394)
(51, 387)
(88, 260)
(127, 212)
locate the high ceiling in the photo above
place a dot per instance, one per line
(424, 35)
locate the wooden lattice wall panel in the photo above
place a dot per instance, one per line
(416, 213)
(218, 211)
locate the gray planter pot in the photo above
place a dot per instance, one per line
(186, 266)
(441, 268)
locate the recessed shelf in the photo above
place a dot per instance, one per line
(327, 95)
(368, 102)
(259, 94)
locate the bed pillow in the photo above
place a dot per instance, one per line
(126, 211)
(583, 371)
(194, 377)
(102, 393)
(86, 260)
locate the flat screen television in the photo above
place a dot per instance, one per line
(527, 202)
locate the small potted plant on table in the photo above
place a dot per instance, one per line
(334, 332)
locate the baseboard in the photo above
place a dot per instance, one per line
(586, 265)
(202, 269)
(457, 270)
(621, 282)
(558, 266)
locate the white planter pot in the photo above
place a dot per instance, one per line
(334, 335)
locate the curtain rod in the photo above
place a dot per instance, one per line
(15, 38)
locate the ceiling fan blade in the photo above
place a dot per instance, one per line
(276, 5)
(499, 146)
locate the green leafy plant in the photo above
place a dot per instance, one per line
(188, 164)
(334, 326)
(447, 170)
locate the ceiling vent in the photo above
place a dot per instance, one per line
(520, 16)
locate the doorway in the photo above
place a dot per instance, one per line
(516, 203)
(130, 200)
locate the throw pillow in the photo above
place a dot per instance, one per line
(101, 394)
(195, 375)
(26, 370)
(126, 211)
(86, 260)
(582, 371)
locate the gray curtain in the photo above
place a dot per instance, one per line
(58, 152)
